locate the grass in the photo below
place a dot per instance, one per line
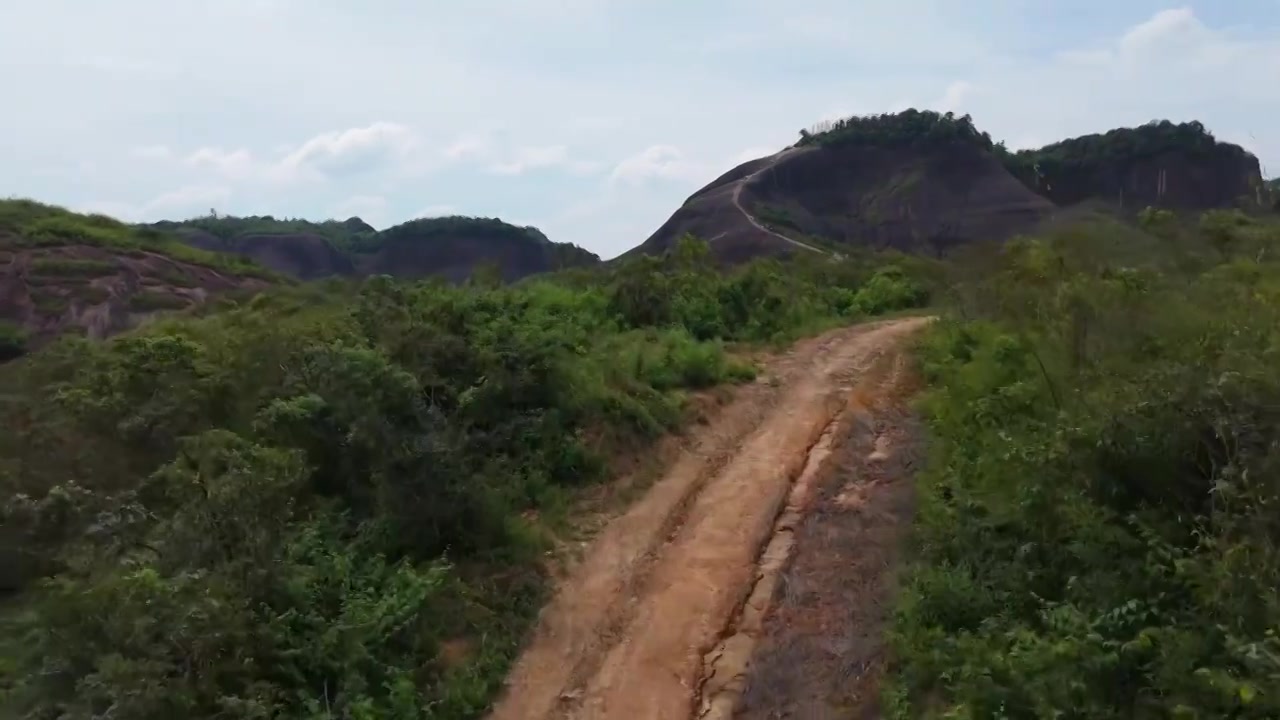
(31, 224)
(49, 303)
(72, 267)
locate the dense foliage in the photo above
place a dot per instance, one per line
(907, 128)
(26, 223)
(1069, 170)
(482, 230)
(1098, 535)
(333, 500)
(355, 236)
(348, 234)
(1125, 144)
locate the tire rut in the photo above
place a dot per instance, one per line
(626, 633)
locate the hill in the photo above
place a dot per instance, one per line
(450, 247)
(65, 272)
(1160, 164)
(923, 181)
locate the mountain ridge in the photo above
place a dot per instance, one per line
(453, 246)
(923, 181)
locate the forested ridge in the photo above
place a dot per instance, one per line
(914, 127)
(1098, 165)
(355, 236)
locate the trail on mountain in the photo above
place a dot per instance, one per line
(737, 203)
(639, 627)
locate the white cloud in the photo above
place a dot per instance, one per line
(1165, 28)
(532, 158)
(352, 151)
(656, 162)
(233, 164)
(954, 98)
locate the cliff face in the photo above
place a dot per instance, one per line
(1161, 164)
(919, 199)
(1172, 179)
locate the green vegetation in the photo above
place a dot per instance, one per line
(1123, 145)
(913, 128)
(333, 500)
(1066, 170)
(350, 234)
(13, 341)
(355, 236)
(775, 217)
(483, 230)
(1097, 534)
(26, 223)
(72, 267)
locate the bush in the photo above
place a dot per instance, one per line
(303, 503)
(1096, 534)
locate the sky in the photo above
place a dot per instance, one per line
(591, 119)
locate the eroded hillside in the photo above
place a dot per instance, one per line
(62, 272)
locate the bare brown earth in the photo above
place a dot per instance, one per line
(818, 652)
(660, 617)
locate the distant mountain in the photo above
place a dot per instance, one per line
(1160, 164)
(915, 181)
(923, 181)
(449, 247)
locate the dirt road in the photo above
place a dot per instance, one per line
(662, 617)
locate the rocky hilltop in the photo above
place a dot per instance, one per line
(1162, 165)
(922, 181)
(449, 247)
(63, 272)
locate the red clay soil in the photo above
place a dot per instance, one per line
(820, 652)
(635, 625)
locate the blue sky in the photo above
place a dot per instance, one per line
(592, 119)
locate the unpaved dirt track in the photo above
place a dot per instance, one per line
(818, 654)
(640, 625)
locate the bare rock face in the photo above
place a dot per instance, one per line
(75, 288)
(926, 182)
(825, 198)
(305, 256)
